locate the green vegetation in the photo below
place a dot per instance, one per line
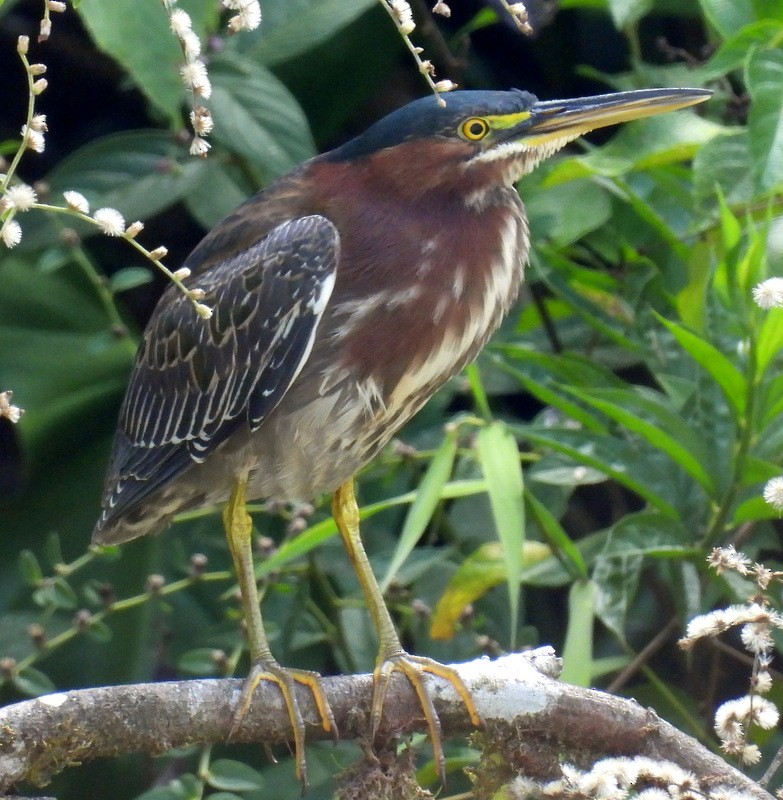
(621, 425)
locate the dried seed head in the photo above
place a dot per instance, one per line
(199, 146)
(134, 229)
(33, 139)
(82, 619)
(198, 563)
(158, 253)
(155, 583)
(38, 123)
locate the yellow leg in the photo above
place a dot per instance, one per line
(264, 667)
(391, 655)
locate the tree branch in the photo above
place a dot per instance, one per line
(517, 695)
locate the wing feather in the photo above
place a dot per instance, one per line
(195, 381)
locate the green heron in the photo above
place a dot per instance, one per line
(344, 295)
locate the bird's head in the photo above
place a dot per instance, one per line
(485, 138)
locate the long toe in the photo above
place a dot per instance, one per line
(415, 669)
(286, 680)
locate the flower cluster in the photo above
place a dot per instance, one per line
(15, 197)
(518, 13)
(618, 778)
(8, 411)
(769, 293)
(45, 29)
(248, 16)
(194, 76)
(194, 71)
(758, 620)
(400, 11)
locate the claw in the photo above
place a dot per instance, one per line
(286, 679)
(415, 668)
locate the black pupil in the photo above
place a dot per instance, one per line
(476, 128)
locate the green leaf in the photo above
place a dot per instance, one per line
(257, 118)
(53, 550)
(728, 16)
(607, 454)
(669, 433)
(99, 631)
(550, 211)
(558, 539)
(651, 535)
(129, 278)
(223, 186)
(316, 534)
(186, 787)
(578, 646)
(770, 338)
(708, 357)
(233, 776)
(733, 53)
(690, 301)
(646, 143)
(198, 661)
(724, 161)
(33, 683)
(478, 391)
(754, 509)
(304, 26)
(765, 120)
(499, 457)
(136, 34)
(566, 366)
(30, 568)
(730, 228)
(616, 581)
(139, 173)
(428, 495)
(55, 593)
(481, 571)
(625, 14)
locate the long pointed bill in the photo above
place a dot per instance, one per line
(551, 120)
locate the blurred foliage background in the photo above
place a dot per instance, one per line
(633, 392)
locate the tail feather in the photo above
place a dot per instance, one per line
(123, 519)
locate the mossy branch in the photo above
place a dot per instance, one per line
(526, 711)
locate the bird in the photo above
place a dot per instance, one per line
(343, 295)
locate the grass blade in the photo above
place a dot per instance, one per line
(499, 457)
(428, 495)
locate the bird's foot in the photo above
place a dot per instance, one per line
(415, 668)
(286, 680)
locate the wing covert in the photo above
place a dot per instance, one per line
(195, 381)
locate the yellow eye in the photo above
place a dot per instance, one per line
(474, 128)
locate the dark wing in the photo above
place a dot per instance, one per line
(196, 381)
